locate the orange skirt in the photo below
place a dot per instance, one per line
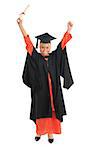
(49, 125)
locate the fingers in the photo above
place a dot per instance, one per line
(70, 24)
(19, 20)
(21, 16)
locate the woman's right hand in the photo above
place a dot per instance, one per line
(19, 21)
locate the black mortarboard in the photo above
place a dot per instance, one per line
(44, 38)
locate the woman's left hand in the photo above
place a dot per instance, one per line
(69, 26)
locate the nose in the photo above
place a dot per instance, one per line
(45, 50)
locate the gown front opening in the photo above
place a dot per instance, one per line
(49, 125)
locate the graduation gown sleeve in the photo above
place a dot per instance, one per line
(63, 65)
(31, 73)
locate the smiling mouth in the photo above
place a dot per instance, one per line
(45, 52)
(46, 56)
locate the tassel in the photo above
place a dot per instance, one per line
(37, 44)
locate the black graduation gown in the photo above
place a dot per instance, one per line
(35, 76)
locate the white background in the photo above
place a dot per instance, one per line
(81, 127)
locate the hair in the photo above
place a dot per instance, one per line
(45, 42)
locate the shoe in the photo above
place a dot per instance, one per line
(37, 138)
(50, 140)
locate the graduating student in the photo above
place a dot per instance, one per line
(41, 74)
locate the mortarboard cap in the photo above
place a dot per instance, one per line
(44, 38)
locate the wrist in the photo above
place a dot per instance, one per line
(68, 31)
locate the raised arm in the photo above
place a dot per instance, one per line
(29, 45)
(67, 36)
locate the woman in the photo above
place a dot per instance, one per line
(49, 125)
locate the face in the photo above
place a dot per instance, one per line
(45, 48)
